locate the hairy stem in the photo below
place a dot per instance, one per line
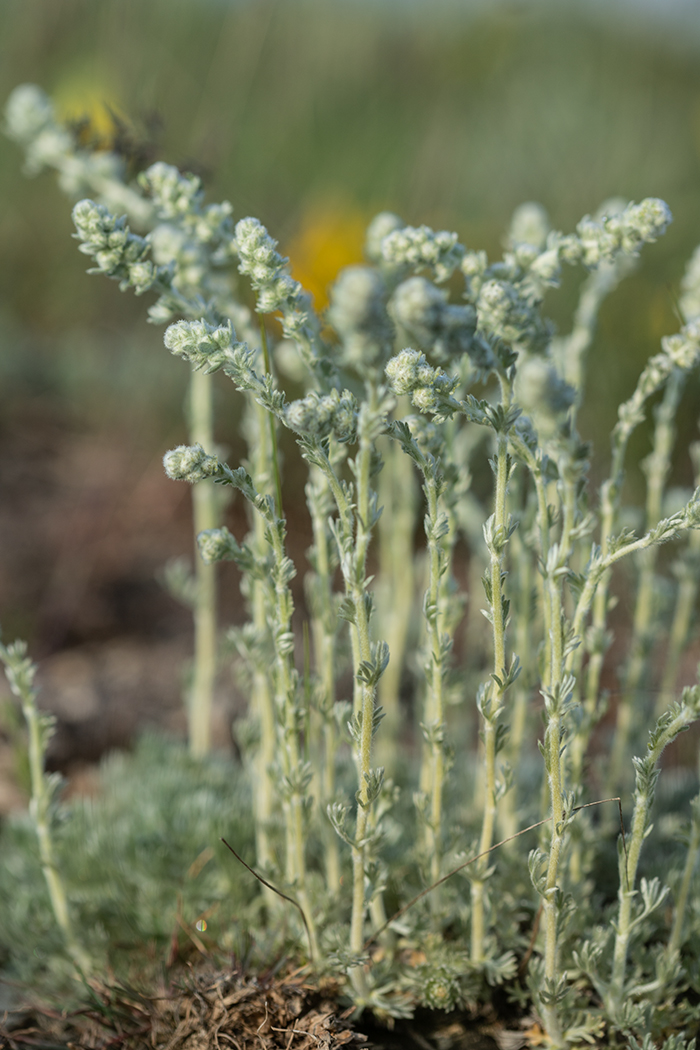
(205, 514)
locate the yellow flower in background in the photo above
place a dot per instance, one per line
(85, 99)
(329, 237)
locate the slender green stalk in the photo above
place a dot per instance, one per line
(439, 532)
(679, 716)
(555, 703)
(262, 700)
(675, 941)
(324, 627)
(490, 701)
(656, 467)
(205, 515)
(630, 414)
(353, 532)
(434, 726)
(364, 648)
(20, 674)
(687, 570)
(688, 573)
(396, 588)
(522, 586)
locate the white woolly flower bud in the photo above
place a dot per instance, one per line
(203, 345)
(174, 194)
(542, 393)
(379, 228)
(417, 305)
(424, 399)
(167, 242)
(546, 266)
(256, 249)
(216, 545)
(259, 259)
(141, 276)
(190, 463)
(401, 371)
(644, 223)
(622, 232)
(28, 112)
(421, 247)
(684, 348)
(358, 314)
(529, 225)
(321, 415)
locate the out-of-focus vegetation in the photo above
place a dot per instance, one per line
(315, 115)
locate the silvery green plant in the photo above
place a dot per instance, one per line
(20, 673)
(188, 242)
(400, 377)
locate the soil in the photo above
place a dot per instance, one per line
(210, 1011)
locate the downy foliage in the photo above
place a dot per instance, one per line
(431, 358)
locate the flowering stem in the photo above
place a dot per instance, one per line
(667, 729)
(491, 704)
(20, 674)
(204, 506)
(396, 587)
(324, 627)
(656, 468)
(677, 933)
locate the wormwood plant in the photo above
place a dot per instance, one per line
(432, 358)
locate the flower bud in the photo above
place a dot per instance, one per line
(529, 225)
(379, 228)
(190, 463)
(28, 112)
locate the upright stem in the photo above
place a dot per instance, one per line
(666, 730)
(396, 587)
(364, 648)
(553, 737)
(688, 572)
(492, 696)
(262, 688)
(40, 727)
(353, 535)
(205, 515)
(656, 469)
(677, 933)
(324, 627)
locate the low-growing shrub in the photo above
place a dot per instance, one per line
(430, 360)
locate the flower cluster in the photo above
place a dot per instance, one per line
(602, 240)
(268, 271)
(508, 317)
(358, 314)
(430, 388)
(446, 330)
(179, 199)
(190, 463)
(204, 345)
(118, 252)
(422, 248)
(529, 226)
(321, 415)
(380, 227)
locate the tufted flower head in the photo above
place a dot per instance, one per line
(190, 463)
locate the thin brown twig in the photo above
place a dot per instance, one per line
(274, 890)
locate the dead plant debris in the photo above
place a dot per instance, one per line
(208, 1012)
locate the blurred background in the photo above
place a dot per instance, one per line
(311, 115)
